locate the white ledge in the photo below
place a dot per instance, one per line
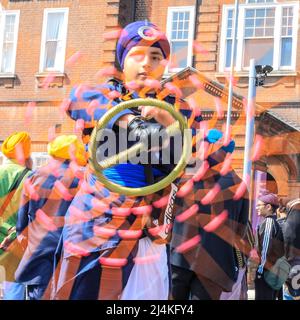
(243, 74)
(8, 75)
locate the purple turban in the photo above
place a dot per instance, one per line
(141, 33)
(268, 198)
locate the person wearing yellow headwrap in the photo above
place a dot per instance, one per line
(17, 146)
(68, 147)
(55, 186)
(13, 172)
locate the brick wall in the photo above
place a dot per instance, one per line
(88, 21)
(143, 9)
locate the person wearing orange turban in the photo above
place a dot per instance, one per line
(17, 146)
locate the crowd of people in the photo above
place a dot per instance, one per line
(65, 235)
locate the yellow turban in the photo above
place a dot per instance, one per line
(68, 147)
(10, 145)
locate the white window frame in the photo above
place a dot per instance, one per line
(61, 63)
(191, 31)
(3, 15)
(247, 1)
(36, 156)
(1, 154)
(277, 35)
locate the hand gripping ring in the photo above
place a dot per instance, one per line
(178, 126)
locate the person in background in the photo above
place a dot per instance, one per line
(291, 234)
(270, 246)
(15, 168)
(281, 212)
(46, 197)
(281, 218)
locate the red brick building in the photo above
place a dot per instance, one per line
(38, 37)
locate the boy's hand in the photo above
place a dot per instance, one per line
(146, 131)
(161, 116)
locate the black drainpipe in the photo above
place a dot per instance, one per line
(198, 3)
(134, 10)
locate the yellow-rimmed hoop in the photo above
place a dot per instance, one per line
(180, 125)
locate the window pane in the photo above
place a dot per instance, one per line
(50, 54)
(174, 25)
(228, 53)
(175, 16)
(270, 22)
(286, 52)
(249, 33)
(8, 43)
(180, 32)
(260, 13)
(284, 31)
(284, 21)
(259, 22)
(55, 26)
(249, 23)
(54, 37)
(250, 13)
(260, 49)
(179, 51)
(9, 27)
(271, 13)
(259, 32)
(269, 32)
(7, 57)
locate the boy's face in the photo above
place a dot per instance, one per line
(143, 63)
(263, 209)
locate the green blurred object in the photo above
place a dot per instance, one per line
(4, 229)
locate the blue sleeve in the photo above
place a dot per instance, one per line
(22, 218)
(76, 112)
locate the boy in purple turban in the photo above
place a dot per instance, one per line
(90, 245)
(270, 245)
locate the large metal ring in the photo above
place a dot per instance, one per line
(178, 126)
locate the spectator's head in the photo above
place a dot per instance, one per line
(267, 203)
(141, 49)
(281, 211)
(68, 147)
(17, 147)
